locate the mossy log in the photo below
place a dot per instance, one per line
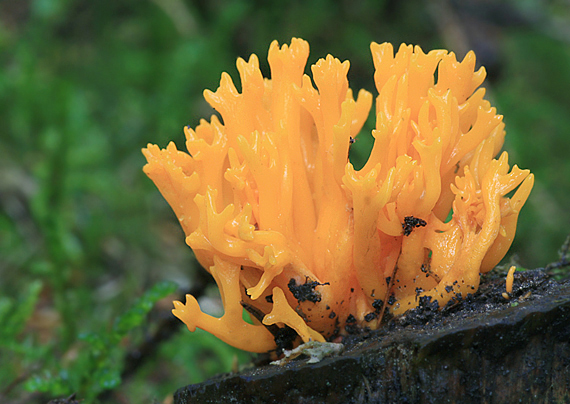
(485, 349)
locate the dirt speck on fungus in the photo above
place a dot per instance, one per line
(410, 223)
(305, 291)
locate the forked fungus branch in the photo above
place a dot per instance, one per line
(291, 231)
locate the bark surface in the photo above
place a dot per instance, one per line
(484, 349)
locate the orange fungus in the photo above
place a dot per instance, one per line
(289, 229)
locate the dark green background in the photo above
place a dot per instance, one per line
(84, 85)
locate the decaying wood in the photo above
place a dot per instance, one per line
(485, 349)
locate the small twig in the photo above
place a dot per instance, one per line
(166, 329)
(13, 384)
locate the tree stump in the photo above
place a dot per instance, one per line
(484, 349)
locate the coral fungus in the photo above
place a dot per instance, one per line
(313, 248)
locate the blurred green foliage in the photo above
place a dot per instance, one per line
(97, 366)
(87, 245)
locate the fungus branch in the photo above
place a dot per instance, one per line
(292, 232)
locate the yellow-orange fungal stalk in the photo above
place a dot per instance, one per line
(290, 230)
(509, 282)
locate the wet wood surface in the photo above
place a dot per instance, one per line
(486, 349)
